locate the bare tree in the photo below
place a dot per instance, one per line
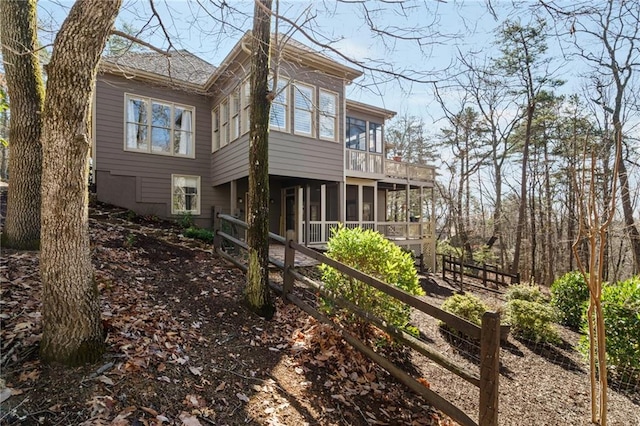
(72, 330)
(606, 36)
(18, 33)
(256, 291)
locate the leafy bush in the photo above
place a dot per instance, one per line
(369, 252)
(466, 306)
(445, 247)
(202, 234)
(530, 293)
(569, 294)
(621, 311)
(532, 321)
(186, 221)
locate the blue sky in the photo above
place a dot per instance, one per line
(463, 25)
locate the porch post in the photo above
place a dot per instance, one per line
(323, 212)
(375, 205)
(360, 205)
(407, 211)
(299, 212)
(307, 214)
(233, 206)
(342, 194)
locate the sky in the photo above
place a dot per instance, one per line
(450, 27)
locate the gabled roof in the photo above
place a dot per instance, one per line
(292, 51)
(181, 66)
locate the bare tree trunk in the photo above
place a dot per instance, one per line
(522, 210)
(256, 292)
(18, 33)
(630, 226)
(72, 332)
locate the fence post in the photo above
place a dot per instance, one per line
(444, 267)
(484, 274)
(289, 261)
(489, 368)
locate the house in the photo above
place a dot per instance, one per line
(171, 138)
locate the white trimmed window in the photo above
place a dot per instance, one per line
(234, 103)
(159, 127)
(224, 123)
(215, 130)
(278, 118)
(185, 194)
(303, 109)
(328, 110)
(245, 99)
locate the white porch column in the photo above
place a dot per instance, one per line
(360, 205)
(299, 212)
(323, 212)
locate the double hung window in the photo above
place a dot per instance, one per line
(279, 107)
(185, 194)
(328, 115)
(303, 109)
(159, 127)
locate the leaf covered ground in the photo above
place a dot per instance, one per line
(182, 348)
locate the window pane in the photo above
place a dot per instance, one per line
(182, 143)
(216, 130)
(375, 138)
(303, 121)
(356, 134)
(160, 139)
(303, 103)
(160, 115)
(278, 116)
(137, 136)
(137, 111)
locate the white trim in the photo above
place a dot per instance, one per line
(335, 116)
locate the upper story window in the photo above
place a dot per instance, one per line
(185, 194)
(363, 135)
(159, 127)
(356, 137)
(215, 129)
(303, 109)
(278, 118)
(245, 98)
(327, 108)
(375, 137)
(224, 123)
(235, 114)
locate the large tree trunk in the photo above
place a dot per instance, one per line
(72, 332)
(18, 33)
(256, 290)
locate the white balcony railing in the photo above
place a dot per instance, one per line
(320, 232)
(362, 161)
(417, 172)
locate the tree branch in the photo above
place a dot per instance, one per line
(140, 41)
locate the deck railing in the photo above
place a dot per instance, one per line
(417, 172)
(362, 161)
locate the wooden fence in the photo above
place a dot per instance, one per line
(488, 334)
(487, 274)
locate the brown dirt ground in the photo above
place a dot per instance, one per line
(183, 349)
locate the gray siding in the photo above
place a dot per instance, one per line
(139, 181)
(289, 154)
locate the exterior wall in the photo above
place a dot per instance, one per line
(290, 155)
(140, 181)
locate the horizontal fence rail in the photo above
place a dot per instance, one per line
(488, 334)
(487, 274)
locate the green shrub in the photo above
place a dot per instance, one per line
(466, 306)
(202, 234)
(445, 247)
(621, 311)
(369, 252)
(530, 293)
(532, 321)
(186, 221)
(568, 295)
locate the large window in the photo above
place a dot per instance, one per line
(185, 194)
(356, 134)
(303, 109)
(375, 138)
(246, 104)
(159, 127)
(279, 107)
(235, 114)
(224, 123)
(328, 115)
(215, 130)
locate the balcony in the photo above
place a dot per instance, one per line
(373, 165)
